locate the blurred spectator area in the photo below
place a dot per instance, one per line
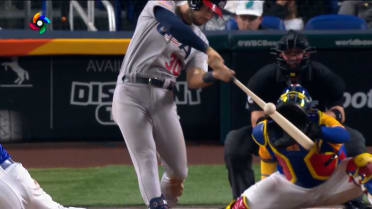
(13, 13)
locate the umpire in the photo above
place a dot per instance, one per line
(292, 66)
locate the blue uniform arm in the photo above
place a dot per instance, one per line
(258, 133)
(335, 134)
(178, 29)
(3, 154)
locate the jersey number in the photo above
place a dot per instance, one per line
(174, 65)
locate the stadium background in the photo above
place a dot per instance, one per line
(69, 93)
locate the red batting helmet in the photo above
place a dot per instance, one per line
(214, 5)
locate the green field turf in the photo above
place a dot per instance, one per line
(113, 186)
(117, 185)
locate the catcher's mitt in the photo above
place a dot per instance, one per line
(294, 104)
(297, 116)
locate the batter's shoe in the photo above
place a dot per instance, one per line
(158, 203)
(240, 203)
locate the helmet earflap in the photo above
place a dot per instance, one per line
(214, 5)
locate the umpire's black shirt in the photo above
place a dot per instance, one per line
(322, 84)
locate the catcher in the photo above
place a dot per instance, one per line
(305, 178)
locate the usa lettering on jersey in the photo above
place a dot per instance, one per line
(174, 64)
(169, 38)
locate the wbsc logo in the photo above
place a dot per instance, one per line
(39, 23)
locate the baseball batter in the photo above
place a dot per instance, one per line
(305, 178)
(19, 190)
(166, 41)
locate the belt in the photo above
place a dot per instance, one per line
(6, 163)
(157, 82)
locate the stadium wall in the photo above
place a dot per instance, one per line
(72, 75)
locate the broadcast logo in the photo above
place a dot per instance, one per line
(39, 23)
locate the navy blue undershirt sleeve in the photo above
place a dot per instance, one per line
(178, 29)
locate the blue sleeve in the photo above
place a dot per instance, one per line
(178, 29)
(258, 133)
(3, 154)
(335, 134)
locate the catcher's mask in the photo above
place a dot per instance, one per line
(295, 104)
(215, 5)
(292, 40)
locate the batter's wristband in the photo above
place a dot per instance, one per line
(338, 115)
(208, 77)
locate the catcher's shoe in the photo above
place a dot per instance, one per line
(360, 171)
(240, 203)
(158, 203)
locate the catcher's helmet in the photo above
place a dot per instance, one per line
(295, 104)
(292, 40)
(297, 95)
(214, 5)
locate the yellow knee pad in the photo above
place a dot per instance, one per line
(363, 159)
(360, 169)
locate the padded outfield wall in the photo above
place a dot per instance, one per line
(72, 76)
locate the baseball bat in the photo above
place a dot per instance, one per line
(285, 124)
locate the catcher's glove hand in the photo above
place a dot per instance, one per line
(313, 130)
(278, 137)
(295, 115)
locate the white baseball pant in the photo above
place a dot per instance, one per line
(277, 192)
(20, 191)
(147, 117)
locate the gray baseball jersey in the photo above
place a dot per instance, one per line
(152, 52)
(147, 115)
